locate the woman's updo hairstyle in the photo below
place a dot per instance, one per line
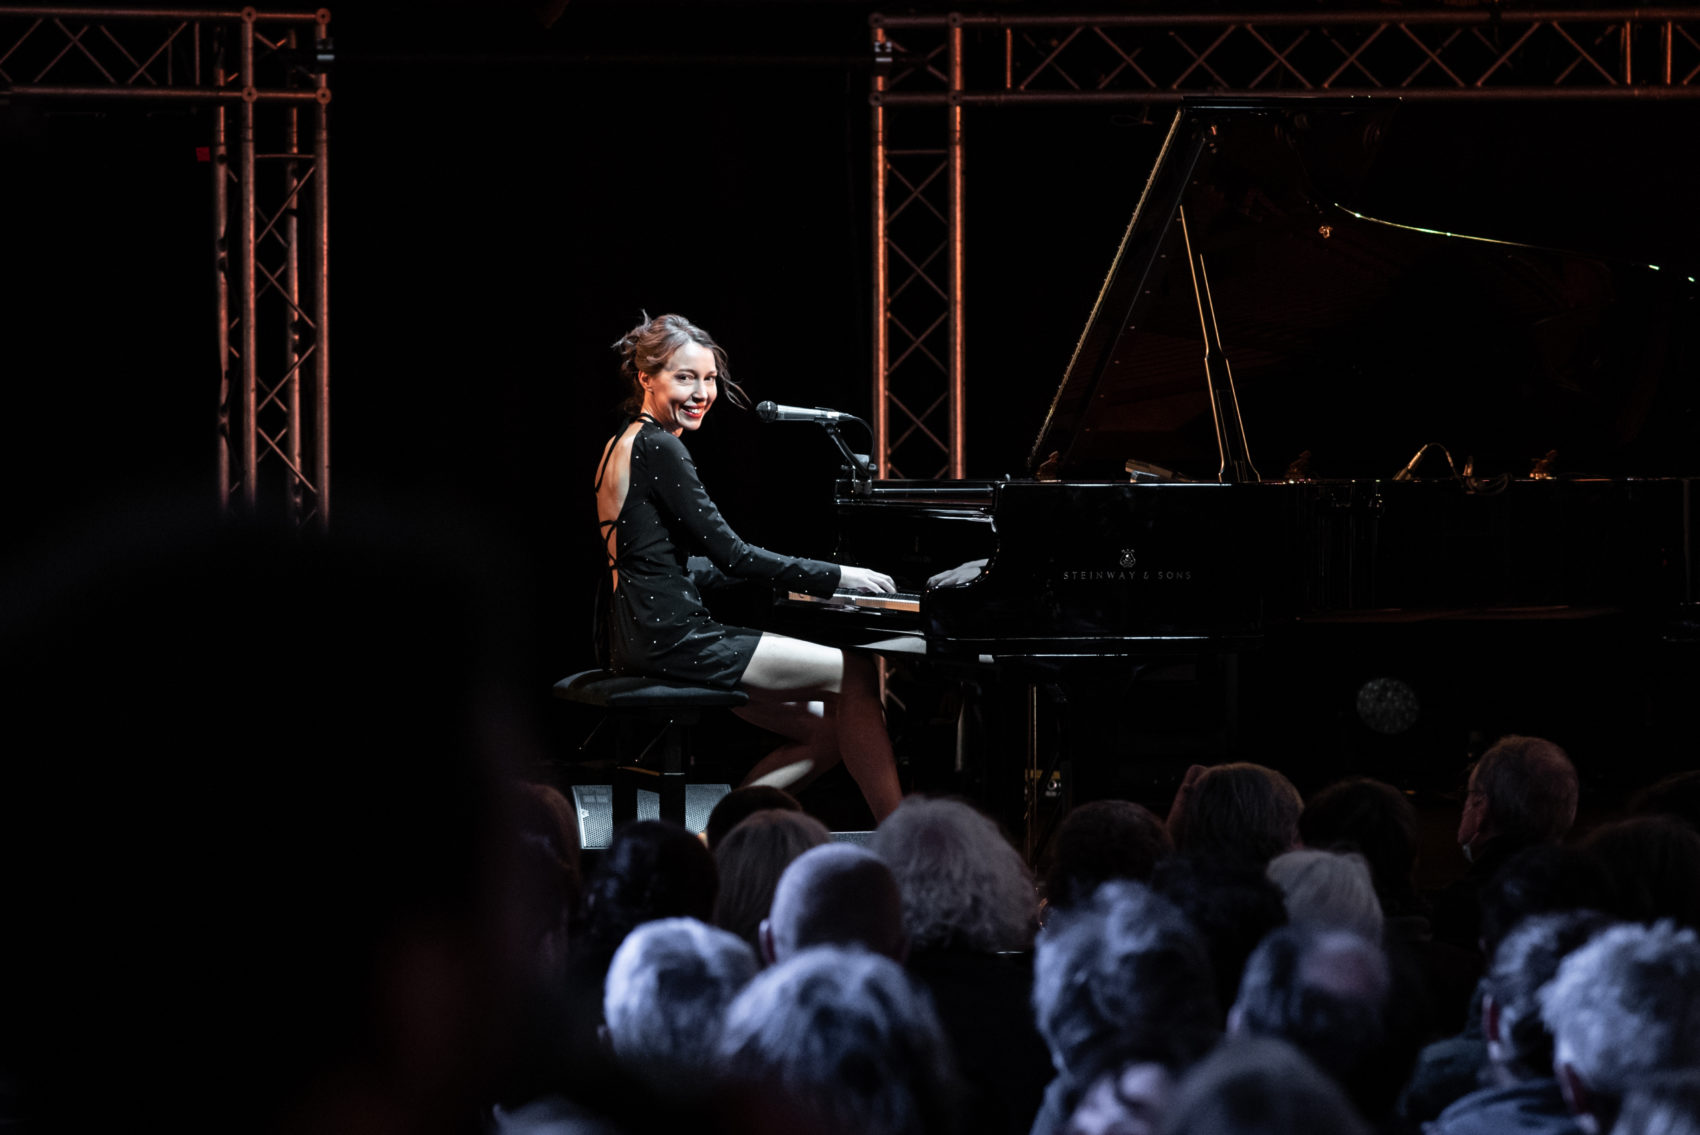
(646, 348)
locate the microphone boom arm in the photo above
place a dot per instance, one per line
(861, 472)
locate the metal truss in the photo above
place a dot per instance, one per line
(928, 69)
(917, 271)
(262, 73)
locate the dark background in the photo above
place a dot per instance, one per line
(507, 197)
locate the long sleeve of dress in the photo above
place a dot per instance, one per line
(680, 491)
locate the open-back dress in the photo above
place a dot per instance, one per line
(658, 625)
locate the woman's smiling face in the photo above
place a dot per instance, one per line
(680, 393)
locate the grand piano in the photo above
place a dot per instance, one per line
(1285, 414)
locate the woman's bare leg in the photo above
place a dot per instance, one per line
(863, 742)
(811, 732)
(782, 668)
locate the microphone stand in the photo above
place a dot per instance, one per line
(862, 477)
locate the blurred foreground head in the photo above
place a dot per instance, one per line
(1667, 1104)
(1623, 1007)
(667, 992)
(1259, 1086)
(251, 833)
(1122, 978)
(839, 1042)
(1336, 997)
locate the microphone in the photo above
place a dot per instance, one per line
(771, 412)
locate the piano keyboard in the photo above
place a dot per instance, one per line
(862, 601)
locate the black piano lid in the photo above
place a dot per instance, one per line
(1358, 339)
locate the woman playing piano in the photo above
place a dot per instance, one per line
(654, 514)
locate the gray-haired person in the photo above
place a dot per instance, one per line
(667, 992)
(835, 895)
(1328, 888)
(844, 1044)
(1667, 1104)
(1119, 980)
(1624, 1006)
(1521, 1096)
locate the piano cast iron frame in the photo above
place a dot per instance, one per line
(927, 69)
(269, 200)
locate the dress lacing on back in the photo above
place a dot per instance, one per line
(610, 544)
(656, 622)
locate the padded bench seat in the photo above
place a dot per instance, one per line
(652, 718)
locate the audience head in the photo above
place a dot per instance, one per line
(750, 860)
(1259, 1086)
(845, 1042)
(740, 803)
(1377, 821)
(963, 885)
(547, 817)
(1653, 863)
(1327, 888)
(1122, 978)
(1623, 1006)
(651, 869)
(1544, 879)
(1519, 1045)
(667, 993)
(1332, 994)
(836, 895)
(1677, 795)
(1232, 905)
(1667, 1104)
(545, 879)
(1100, 841)
(1242, 812)
(1523, 790)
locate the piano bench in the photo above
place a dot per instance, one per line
(652, 719)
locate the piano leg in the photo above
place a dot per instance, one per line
(1045, 783)
(1108, 728)
(1009, 755)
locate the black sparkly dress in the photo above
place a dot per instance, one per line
(658, 625)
